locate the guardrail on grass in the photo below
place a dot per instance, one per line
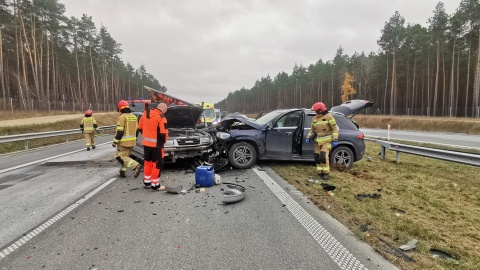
(458, 157)
(30, 136)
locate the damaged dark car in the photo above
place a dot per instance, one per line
(280, 135)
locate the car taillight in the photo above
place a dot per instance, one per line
(199, 122)
(360, 136)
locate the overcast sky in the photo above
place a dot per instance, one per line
(203, 49)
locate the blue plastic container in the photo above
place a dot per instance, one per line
(205, 176)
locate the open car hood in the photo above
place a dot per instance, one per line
(228, 120)
(352, 107)
(183, 116)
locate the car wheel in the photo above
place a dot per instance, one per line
(342, 155)
(242, 155)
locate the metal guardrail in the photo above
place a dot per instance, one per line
(458, 157)
(30, 136)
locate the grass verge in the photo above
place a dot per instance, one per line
(106, 120)
(430, 200)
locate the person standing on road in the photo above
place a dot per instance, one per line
(88, 126)
(125, 139)
(154, 129)
(324, 130)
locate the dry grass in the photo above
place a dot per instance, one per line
(8, 115)
(438, 124)
(440, 200)
(104, 119)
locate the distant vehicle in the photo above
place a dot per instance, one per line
(208, 113)
(280, 135)
(138, 106)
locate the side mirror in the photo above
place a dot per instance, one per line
(270, 125)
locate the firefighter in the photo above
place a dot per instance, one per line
(154, 129)
(125, 140)
(324, 131)
(88, 126)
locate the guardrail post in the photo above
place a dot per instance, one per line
(26, 144)
(383, 149)
(398, 157)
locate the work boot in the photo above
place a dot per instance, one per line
(93, 146)
(158, 188)
(325, 176)
(88, 148)
(122, 174)
(136, 170)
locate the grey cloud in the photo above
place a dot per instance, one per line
(204, 49)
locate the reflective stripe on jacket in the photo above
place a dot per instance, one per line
(127, 127)
(325, 127)
(88, 124)
(154, 128)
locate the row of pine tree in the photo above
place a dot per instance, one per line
(51, 62)
(431, 70)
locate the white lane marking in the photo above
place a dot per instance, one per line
(48, 223)
(45, 159)
(339, 254)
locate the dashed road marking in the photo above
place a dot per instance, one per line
(49, 222)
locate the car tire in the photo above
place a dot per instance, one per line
(242, 155)
(343, 156)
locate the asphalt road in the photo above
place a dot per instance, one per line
(444, 138)
(73, 213)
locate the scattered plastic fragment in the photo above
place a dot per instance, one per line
(174, 190)
(328, 187)
(410, 245)
(330, 193)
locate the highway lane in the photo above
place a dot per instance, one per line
(444, 138)
(125, 226)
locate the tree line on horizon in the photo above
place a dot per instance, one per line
(51, 62)
(431, 70)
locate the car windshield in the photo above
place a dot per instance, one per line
(136, 107)
(268, 117)
(209, 113)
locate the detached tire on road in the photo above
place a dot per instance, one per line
(242, 155)
(342, 155)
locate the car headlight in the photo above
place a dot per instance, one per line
(169, 143)
(206, 140)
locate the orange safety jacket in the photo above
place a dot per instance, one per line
(126, 130)
(154, 128)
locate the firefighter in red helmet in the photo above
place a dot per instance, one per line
(88, 126)
(154, 128)
(324, 131)
(125, 139)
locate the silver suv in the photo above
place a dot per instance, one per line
(186, 138)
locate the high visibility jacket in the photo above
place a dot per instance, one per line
(88, 124)
(325, 127)
(154, 128)
(126, 130)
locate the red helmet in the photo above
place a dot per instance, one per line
(122, 104)
(89, 112)
(319, 107)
